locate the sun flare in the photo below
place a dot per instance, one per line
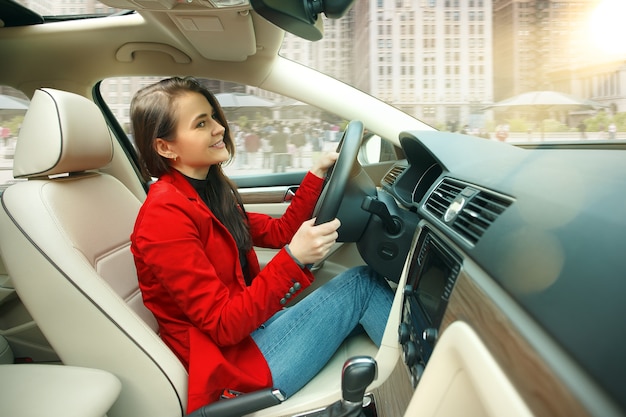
(608, 26)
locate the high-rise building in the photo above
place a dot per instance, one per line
(430, 58)
(602, 81)
(535, 38)
(548, 45)
(333, 54)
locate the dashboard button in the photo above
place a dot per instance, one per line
(430, 335)
(411, 353)
(404, 333)
(408, 290)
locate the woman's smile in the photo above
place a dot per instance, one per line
(219, 145)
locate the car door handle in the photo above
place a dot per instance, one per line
(290, 193)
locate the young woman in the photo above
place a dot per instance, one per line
(193, 248)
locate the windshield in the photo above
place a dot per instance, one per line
(516, 71)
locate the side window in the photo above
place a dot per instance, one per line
(272, 133)
(13, 106)
(376, 149)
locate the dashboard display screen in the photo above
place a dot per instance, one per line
(434, 274)
(431, 285)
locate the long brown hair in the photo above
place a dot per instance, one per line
(152, 113)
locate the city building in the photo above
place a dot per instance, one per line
(333, 54)
(547, 45)
(432, 62)
(532, 39)
(602, 81)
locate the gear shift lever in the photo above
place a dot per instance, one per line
(357, 374)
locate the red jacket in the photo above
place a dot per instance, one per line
(191, 279)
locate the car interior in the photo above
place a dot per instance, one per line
(506, 260)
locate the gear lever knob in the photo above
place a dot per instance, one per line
(357, 374)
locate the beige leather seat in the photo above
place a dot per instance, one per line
(65, 239)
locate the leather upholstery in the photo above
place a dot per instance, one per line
(52, 136)
(65, 241)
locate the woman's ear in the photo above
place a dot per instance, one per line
(163, 148)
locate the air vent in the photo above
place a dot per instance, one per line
(466, 209)
(478, 214)
(442, 197)
(391, 176)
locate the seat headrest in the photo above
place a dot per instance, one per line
(62, 132)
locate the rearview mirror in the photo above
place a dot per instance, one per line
(300, 17)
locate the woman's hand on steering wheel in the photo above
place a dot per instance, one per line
(328, 203)
(323, 163)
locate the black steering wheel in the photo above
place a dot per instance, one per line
(337, 178)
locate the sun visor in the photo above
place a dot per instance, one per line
(227, 37)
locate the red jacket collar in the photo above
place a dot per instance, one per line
(179, 181)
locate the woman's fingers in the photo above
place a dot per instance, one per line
(311, 243)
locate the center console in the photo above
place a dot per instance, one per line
(432, 272)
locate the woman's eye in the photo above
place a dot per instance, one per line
(201, 124)
(214, 116)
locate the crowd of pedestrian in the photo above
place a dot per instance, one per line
(280, 145)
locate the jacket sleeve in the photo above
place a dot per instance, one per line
(204, 283)
(269, 232)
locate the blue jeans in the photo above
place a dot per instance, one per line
(298, 341)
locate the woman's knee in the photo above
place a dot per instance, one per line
(360, 278)
(366, 273)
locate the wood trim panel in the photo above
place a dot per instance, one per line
(537, 384)
(263, 196)
(393, 396)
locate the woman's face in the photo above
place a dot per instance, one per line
(198, 141)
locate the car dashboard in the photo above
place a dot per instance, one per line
(524, 247)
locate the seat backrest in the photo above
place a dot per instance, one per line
(65, 240)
